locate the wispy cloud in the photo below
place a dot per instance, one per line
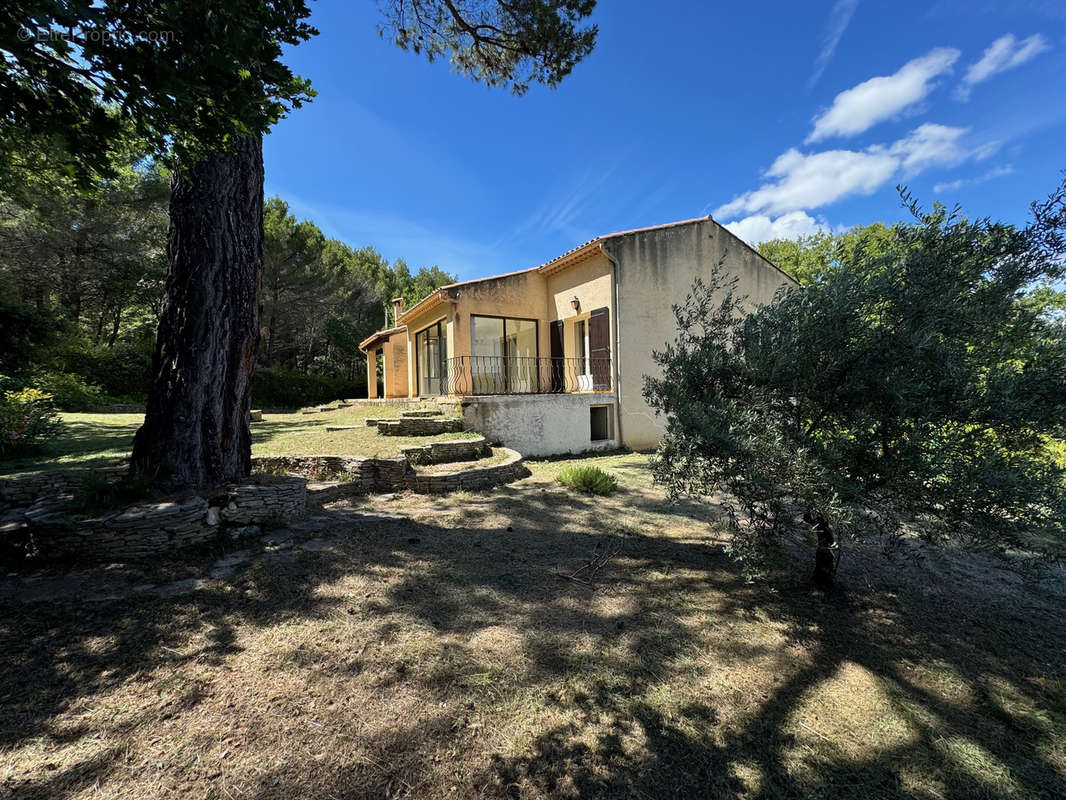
(839, 19)
(567, 211)
(861, 107)
(954, 186)
(1003, 54)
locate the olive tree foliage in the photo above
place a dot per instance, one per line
(909, 389)
(496, 42)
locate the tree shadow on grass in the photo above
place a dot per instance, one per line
(468, 622)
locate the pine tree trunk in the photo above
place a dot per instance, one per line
(195, 432)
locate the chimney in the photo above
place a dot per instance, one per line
(397, 303)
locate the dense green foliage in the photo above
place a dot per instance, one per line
(27, 420)
(320, 298)
(807, 258)
(912, 385)
(188, 77)
(82, 270)
(589, 480)
(281, 388)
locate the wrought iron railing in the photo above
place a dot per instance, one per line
(471, 375)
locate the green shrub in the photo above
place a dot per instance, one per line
(590, 480)
(280, 388)
(69, 392)
(27, 420)
(123, 372)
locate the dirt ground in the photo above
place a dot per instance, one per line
(530, 643)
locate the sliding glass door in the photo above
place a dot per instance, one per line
(431, 353)
(504, 355)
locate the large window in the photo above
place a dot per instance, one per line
(431, 352)
(504, 355)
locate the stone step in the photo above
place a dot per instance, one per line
(422, 412)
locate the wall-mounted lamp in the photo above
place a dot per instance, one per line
(575, 303)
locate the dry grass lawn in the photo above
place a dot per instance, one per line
(99, 440)
(446, 652)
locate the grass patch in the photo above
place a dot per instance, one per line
(543, 645)
(101, 440)
(587, 479)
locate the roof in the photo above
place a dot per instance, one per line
(375, 337)
(572, 256)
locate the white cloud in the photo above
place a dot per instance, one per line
(810, 181)
(861, 107)
(761, 228)
(839, 19)
(805, 181)
(953, 186)
(928, 145)
(1003, 54)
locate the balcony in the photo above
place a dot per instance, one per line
(485, 375)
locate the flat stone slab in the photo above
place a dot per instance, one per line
(422, 412)
(343, 427)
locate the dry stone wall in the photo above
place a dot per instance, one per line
(510, 469)
(147, 529)
(372, 474)
(447, 451)
(24, 490)
(419, 426)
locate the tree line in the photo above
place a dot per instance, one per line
(83, 277)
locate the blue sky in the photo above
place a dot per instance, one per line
(775, 117)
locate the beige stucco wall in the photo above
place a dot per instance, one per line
(538, 424)
(371, 373)
(656, 270)
(590, 282)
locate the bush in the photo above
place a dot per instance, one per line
(27, 420)
(280, 388)
(69, 392)
(123, 372)
(590, 480)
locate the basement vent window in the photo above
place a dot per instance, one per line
(600, 423)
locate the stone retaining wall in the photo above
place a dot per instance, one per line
(373, 474)
(415, 426)
(447, 451)
(147, 529)
(25, 490)
(510, 469)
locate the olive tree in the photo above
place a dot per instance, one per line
(913, 388)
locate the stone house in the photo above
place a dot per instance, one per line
(551, 359)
